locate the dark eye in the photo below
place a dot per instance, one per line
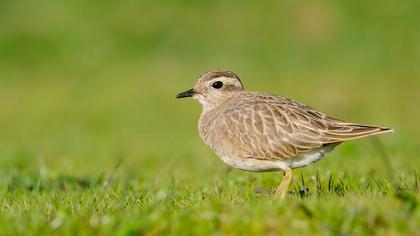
(217, 85)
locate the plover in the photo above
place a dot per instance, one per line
(257, 132)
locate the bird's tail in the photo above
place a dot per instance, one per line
(349, 131)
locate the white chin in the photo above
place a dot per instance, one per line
(199, 98)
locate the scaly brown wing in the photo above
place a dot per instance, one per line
(271, 127)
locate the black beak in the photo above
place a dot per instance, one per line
(188, 93)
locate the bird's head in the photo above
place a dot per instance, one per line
(214, 88)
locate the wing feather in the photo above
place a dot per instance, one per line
(272, 127)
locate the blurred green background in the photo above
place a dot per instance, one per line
(84, 84)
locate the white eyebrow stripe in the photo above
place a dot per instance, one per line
(227, 81)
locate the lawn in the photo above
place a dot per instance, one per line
(93, 141)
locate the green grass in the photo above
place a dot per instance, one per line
(93, 142)
(226, 202)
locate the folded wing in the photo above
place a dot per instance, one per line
(272, 127)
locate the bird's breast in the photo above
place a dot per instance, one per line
(208, 129)
(213, 131)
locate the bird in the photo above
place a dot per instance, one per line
(260, 132)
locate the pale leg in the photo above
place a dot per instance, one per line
(284, 185)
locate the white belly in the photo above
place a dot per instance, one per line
(258, 165)
(306, 159)
(252, 164)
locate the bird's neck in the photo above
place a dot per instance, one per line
(217, 101)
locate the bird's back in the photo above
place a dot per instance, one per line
(269, 127)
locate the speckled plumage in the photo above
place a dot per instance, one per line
(256, 131)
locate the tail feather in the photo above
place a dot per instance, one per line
(355, 131)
